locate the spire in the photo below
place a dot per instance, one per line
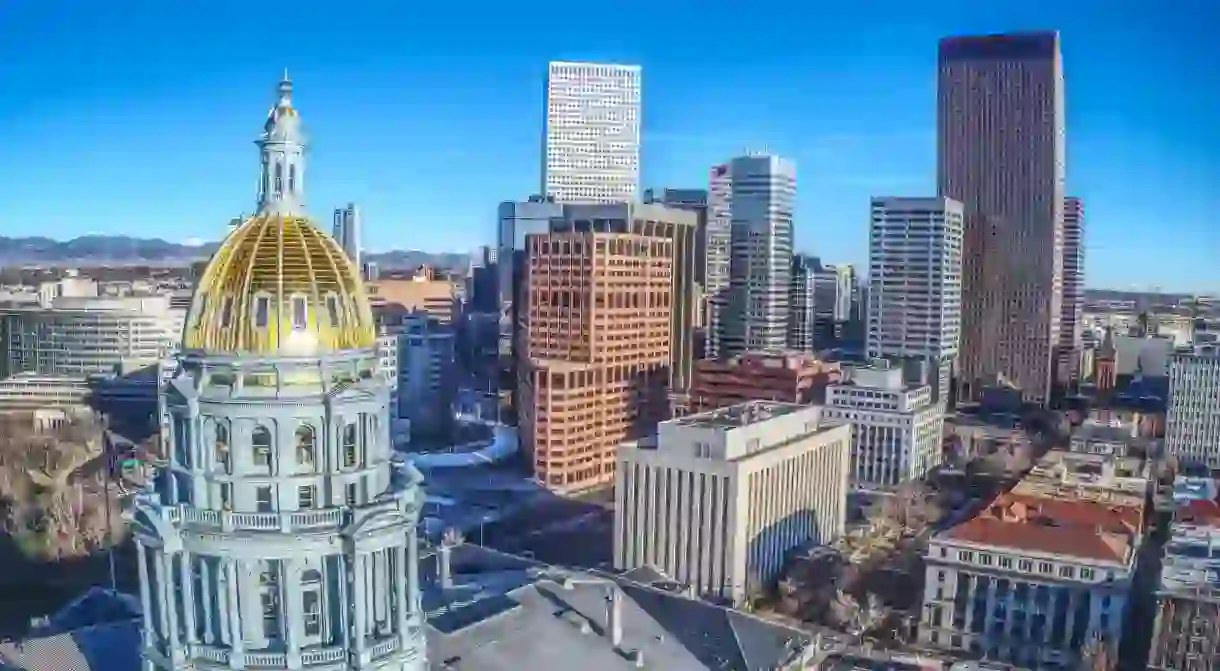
(282, 145)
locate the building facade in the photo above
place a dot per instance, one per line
(1001, 153)
(680, 228)
(718, 245)
(278, 534)
(1072, 310)
(1186, 633)
(802, 309)
(347, 231)
(761, 198)
(915, 284)
(784, 377)
(596, 371)
(77, 336)
(1030, 581)
(896, 428)
(592, 132)
(716, 500)
(427, 383)
(1192, 422)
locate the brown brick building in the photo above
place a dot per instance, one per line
(597, 354)
(789, 377)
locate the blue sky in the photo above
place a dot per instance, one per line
(138, 117)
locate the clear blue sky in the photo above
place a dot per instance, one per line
(138, 117)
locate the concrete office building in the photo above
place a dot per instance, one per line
(1072, 309)
(896, 428)
(597, 351)
(696, 201)
(1192, 421)
(915, 286)
(278, 534)
(347, 231)
(1031, 580)
(835, 287)
(427, 380)
(592, 132)
(75, 334)
(1001, 153)
(718, 245)
(761, 198)
(680, 228)
(716, 500)
(802, 309)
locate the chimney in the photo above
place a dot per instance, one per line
(614, 616)
(442, 566)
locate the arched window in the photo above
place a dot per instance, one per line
(279, 178)
(261, 441)
(306, 442)
(311, 601)
(292, 178)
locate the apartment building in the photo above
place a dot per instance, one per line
(1186, 635)
(680, 228)
(717, 499)
(597, 351)
(1192, 422)
(787, 377)
(915, 285)
(896, 428)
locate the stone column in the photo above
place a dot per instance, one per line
(290, 610)
(145, 596)
(205, 596)
(402, 606)
(163, 594)
(359, 602)
(413, 575)
(236, 640)
(169, 601)
(188, 597)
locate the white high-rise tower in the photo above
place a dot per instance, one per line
(592, 133)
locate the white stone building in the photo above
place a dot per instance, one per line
(896, 428)
(1192, 423)
(716, 500)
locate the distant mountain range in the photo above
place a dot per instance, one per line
(126, 251)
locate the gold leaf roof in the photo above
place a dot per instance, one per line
(278, 286)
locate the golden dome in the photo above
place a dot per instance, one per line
(278, 286)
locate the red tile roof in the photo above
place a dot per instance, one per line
(1204, 513)
(1085, 529)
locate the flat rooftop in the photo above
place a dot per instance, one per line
(740, 415)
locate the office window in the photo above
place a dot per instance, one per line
(350, 445)
(311, 602)
(1005, 562)
(1045, 567)
(306, 496)
(1066, 572)
(305, 445)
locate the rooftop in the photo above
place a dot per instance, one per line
(740, 415)
(1192, 555)
(1075, 528)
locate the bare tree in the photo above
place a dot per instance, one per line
(1099, 654)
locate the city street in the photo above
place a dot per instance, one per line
(568, 533)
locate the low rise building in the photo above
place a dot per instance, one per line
(1111, 436)
(1075, 476)
(1186, 635)
(897, 429)
(716, 500)
(1030, 580)
(786, 377)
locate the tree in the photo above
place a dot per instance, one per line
(1099, 654)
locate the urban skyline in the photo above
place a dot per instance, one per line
(844, 161)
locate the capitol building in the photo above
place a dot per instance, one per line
(279, 533)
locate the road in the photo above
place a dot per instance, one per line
(567, 533)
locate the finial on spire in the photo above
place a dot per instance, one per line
(285, 88)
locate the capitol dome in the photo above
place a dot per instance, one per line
(279, 286)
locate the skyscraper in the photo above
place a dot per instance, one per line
(347, 231)
(597, 350)
(802, 312)
(277, 532)
(1001, 153)
(761, 197)
(717, 245)
(915, 285)
(592, 133)
(1073, 290)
